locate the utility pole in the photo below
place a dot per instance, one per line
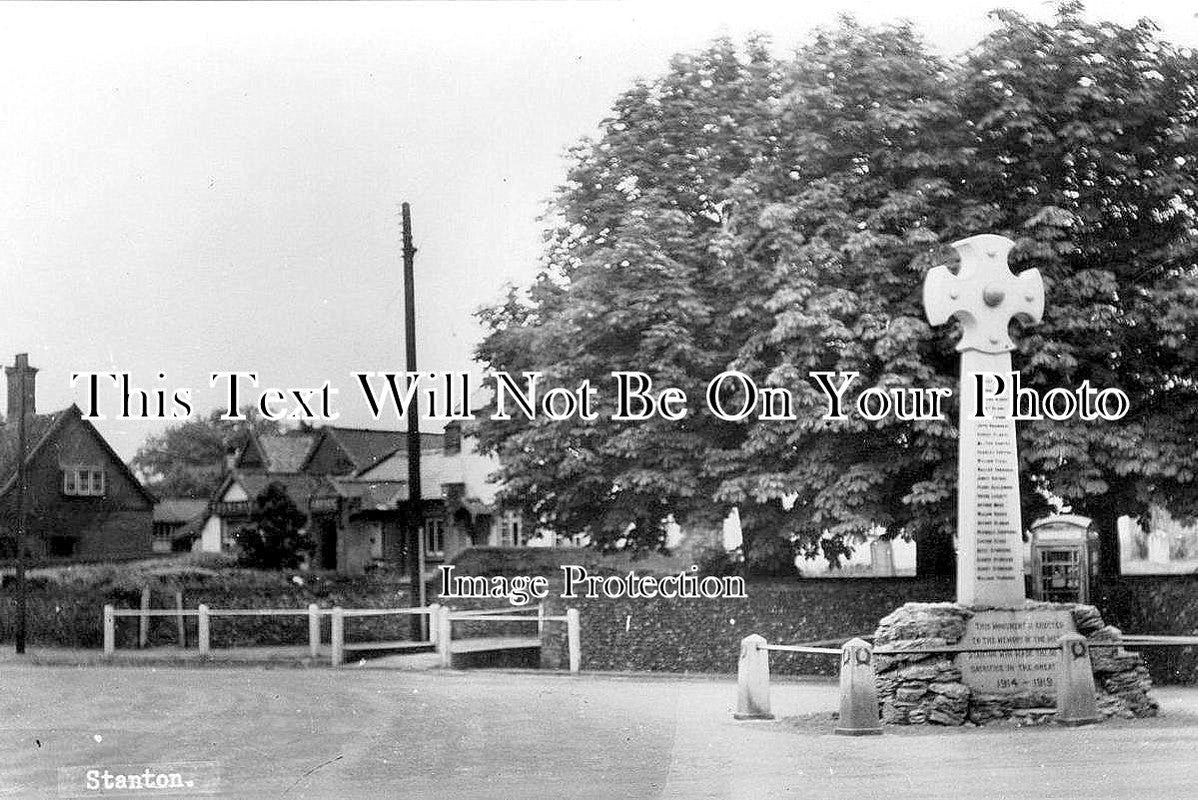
(22, 488)
(414, 518)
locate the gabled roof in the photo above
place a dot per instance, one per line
(299, 487)
(365, 447)
(42, 428)
(287, 453)
(37, 428)
(277, 452)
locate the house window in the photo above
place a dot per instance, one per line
(434, 537)
(83, 481)
(511, 530)
(162, 537)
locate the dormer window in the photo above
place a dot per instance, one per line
(83, 481)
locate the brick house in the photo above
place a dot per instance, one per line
(83, 502)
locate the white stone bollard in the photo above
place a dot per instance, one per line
(203, 630)
(753, 679)
(109, 630)
(1076, 704)
(858, 691)
(313, 630)
(574, 639)
(337, 637)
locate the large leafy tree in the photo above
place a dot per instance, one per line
(632, 282)
(778, 216)
(188, 459)
(1086, 139)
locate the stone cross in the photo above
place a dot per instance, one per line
(984, 295)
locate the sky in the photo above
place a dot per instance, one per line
(188, 189)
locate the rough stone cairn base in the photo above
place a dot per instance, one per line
(919, 689)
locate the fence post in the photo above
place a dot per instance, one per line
(858, 691)
(753, 679)
(1075, 682)
(204, 633)
(143, 625)
(313, 630)
(445, 637)
(337, 637)
(109, 629)
(574, 639)
(179, 620)
(434, 618)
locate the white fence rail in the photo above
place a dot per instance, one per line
(204, 616)
(440, 625)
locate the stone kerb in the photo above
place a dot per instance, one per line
(918, 689)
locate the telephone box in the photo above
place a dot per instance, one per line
(1064, 559)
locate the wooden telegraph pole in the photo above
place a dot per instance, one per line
(414, 518)
(22, 489)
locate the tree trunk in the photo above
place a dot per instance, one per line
(1105, 519)
(934, 556)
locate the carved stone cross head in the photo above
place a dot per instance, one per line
(984, 294)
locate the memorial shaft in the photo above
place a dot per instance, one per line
(988, 503)
(984, 295)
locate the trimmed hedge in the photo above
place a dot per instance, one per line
(704, 635)
(1157, 604)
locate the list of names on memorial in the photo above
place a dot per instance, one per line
(996, 510)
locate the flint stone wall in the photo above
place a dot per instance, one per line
(918, 689)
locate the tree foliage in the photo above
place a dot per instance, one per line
(274, 537)
(188, 459)
(777, 216)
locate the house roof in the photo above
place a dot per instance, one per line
(37, 427)
(366, 447)
(41, 428)
(388, 495)
(286, 453)
(192, 530)
(178, 509)
(299, 487)
(372, 494)
(435, 470)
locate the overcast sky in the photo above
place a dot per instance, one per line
(199, 188)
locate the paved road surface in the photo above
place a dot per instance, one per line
(365, 733)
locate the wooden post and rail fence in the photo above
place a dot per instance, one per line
(444, 619)
(440, 627)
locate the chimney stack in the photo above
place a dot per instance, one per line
(14, 386)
